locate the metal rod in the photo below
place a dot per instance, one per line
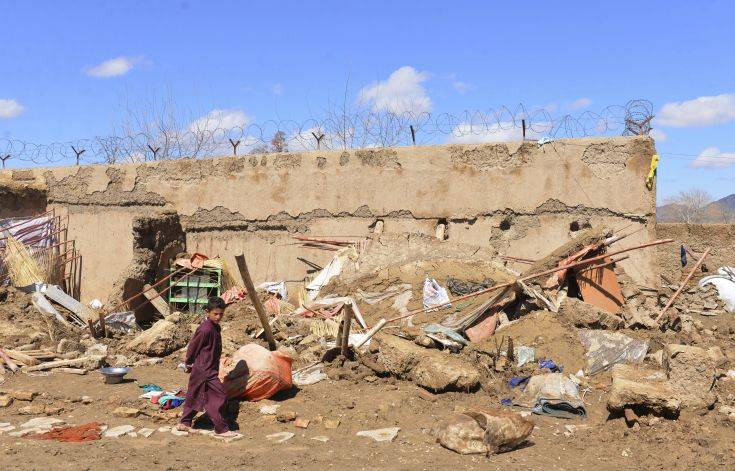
(683, 285)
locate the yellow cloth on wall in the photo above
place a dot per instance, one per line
(652, 172)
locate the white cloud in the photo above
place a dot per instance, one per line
(714, 158)
(220, 119)
(702, 111)
(402, 92)
(658, 135)
(462, 87)
(581, 103)
(113, 67)
(10, 108)
(466, 133)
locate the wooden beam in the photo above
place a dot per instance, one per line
(245, 274)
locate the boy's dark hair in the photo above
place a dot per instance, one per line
(215, 302)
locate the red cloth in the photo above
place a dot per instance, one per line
(80, 433)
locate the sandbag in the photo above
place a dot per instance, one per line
(254, 373)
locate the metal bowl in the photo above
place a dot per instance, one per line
(114, 375)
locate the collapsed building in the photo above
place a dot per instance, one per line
(458, 268)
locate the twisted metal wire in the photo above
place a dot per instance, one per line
(333, 132)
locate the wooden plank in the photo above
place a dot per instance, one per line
(599, 286)
(157, 301)
(245, 274)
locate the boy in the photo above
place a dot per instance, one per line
(205, 391)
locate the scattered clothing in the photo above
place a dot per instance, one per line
(555, 395)
(81, 433)
(151, 387)
(683, 255)
(516, 381)
(548, 364)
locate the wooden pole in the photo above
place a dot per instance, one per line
(345, 347)
(245, 274)
(683, 285)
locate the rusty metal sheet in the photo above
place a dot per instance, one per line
(600, 287)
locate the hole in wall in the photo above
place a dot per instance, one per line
(505, 224)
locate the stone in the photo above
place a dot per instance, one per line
(6, 428)
(717, 356)
(87, 400)
(657, 357)
(587, 315)
(231, 439)
(163, 338)
(149, 361)
(97, 349)
(485, 431)
(164, 429)
(42, 423)
(429, 368)
(286, 416)
(638, 318)
(32, 409)
(641, 387)
(331, 424)
(280, 437)
(23, 395)
(5, 400)
(380, 435)
(179, 433)
(25, 432)
(321, 438)
(119, 431)
(126, 412)
(269, 409)
(300, 422)
(146, 432)
(691, 372)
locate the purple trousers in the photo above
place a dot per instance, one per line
(214, 403)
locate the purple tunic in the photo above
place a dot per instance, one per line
(205, 391)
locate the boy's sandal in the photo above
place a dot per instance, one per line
(183, 428)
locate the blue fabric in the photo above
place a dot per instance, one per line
(549, 365)
(150, 387)
(683, 254)
(506, 402)
(518, 381)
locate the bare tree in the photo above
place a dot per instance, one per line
(690, 206)
(279, 142)
(724, 213)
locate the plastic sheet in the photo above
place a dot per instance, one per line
(605, 349)
(434, 294)
(254, 373)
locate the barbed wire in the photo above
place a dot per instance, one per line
(360, 129)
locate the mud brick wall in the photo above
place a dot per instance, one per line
(720, 238)
(519, 198)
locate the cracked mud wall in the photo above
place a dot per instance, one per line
(519, 198)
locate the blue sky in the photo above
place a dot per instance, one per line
(67, 67)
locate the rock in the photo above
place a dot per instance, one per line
(321, 438)
(717, 356)
(486, 431)
(162, 338)
(86, 400)
(146, 432)
(46, 423)
(331, 424)
(119, 431)
(23, 433)
(300, 422)
(33, 409)
(231, 439)
(638, 318)
(6, 428)
(126, 412)
(586, 315)
(119, 361)
(691, 372)
(280, 437)
(179, 433)
(657, 357)
(381, 435)
(286, 416)
(5, 400)
(148, 361)
(269, 409)
(635, 387)
(23, 395)
(97, 349)
(164, 429)
(430, 369)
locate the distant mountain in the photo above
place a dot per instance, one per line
(720, 211)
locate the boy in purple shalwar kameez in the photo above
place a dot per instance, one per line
(205, 391)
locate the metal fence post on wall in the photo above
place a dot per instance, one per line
(4, 158)
(155, 151)
(78, 153)
(234, 145)
(413, 134)
(318, 140)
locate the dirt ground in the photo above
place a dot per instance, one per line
(694, 441)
